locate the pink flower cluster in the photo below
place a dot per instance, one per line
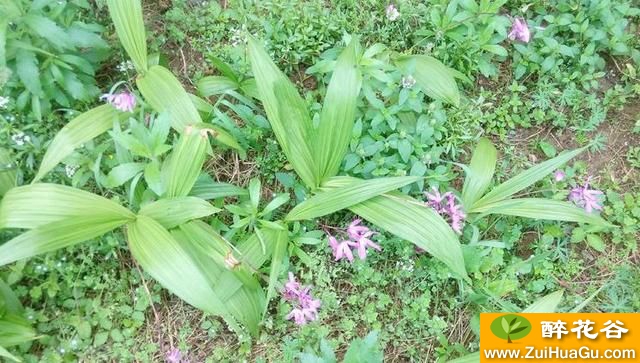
(359, 240)
(445, 204)
(305, 307)
(124, 101)
(174, 356)
(589, 199)
(519, 30)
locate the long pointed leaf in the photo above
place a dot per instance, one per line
(525, 179)
(185, 163)
(4, 353)
(546, 304)
(56, 235)
(539, 208)
(481, 169)
(35, 205)
(354, 192)
(175, 211)
(8, 172)
(127, 18)
(287, 113)
(435, 79)
(80, 130)
(338, 113)
(277, 260)
(164, 93)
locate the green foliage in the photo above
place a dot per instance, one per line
(50, 55)
(360, 350)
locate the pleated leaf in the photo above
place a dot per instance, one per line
(175, 211)
(546, 304)
(351, 193)
(480, 172)
(287, 113)
(539, 208)
(36, 205)
(7, 172)
(4, 353)
(206, 188)
(162, 90)
(411, 220)
(215, 85)
(185, 164)
(252, 249)
(434, 78)
(127, 18)
(277, 263)
(56, 235)
(14, 330)
(338, 113)
(80, 130)
(525, 179)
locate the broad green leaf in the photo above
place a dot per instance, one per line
(235, 286)
(127, 19)
(287, 113)
(11, 304)
(539, 208)
(206, 188)
(14, 330)
(7, 172)
(411, 220)
(36, 205)
(254, 192)
(469, 358)
(252, 250)
(525, 179)
(28, 72)
(277, 262)
(480, 172)
(175, 211)
(215, 85)
(364, 350)
(338, 114)
(185, 163)
(80, 130)
(547, 304)
(122, 174)
(433, 77)
(56, 235)
(162, 90)
(351, 193)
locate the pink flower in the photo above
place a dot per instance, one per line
(341, 249)
(363, 242)
(589, 199)
(559, 175)
(392, 12)
(124, 101)
(445, 205)
(173, 356)
(305, 307)
(519, 30)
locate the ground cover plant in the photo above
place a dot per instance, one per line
(343, 182)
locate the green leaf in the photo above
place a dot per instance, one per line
(28, 72)
(351, 193)
(56, 235)
(525, 179)
(14, 330)
(127, 19)
(6, 354)
(48, 29)
(206, 188)
(595, 242)
(252, 250)
(338, 114)
(277, 262)
(435, 79)
(162, 90)
(122, 174)
(185, 163)
(411, 220)
(8, 172)
(175, 211)
(11, 302)
(254, 193)
(80, 130)
(215, 85)
(287, 114)
(469, 358)
(364, 350)
(539, 208)
(546, 304)
(35, 205)
(480, 172)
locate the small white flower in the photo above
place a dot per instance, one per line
(392, 12)
(4, 101)
(126, 66)
(70, 170)
(408, 82)
(20, 138)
